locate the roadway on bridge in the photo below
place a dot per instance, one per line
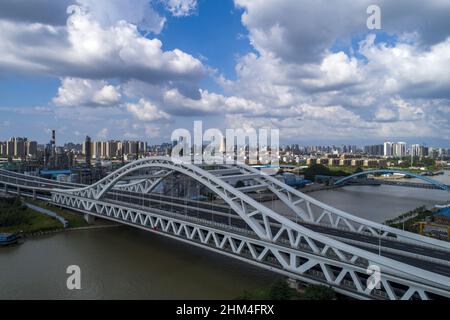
(36, 182)
(223, 214)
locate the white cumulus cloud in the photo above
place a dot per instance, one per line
(146, 111)
(180, 8)
(88, 48)
(83, 92)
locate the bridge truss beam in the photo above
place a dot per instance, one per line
(295, 240)
(258, 217)
(346, 273)
(313, 211)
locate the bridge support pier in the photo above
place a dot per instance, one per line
(89, 218)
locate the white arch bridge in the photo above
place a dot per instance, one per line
(302, 238)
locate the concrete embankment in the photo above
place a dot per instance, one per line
(49, 213)
(49, 232)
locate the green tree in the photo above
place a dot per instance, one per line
(318, 169)
(358, 170)
(319, 292)
(246, 295)
(12, 212)
(280, 290)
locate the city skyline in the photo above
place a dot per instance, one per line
(167, 141)
(303, 142)
(344, 84)
(24, 147)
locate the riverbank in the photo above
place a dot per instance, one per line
(409, 221)
(280, 290)
(16, 217)
(76, 220)
(56, 231)
(421, 220)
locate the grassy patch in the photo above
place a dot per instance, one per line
(76, 220)
(16, 217)
(279, 290)
(410, 219)
(342, 169)
(333, 171)
(33, 222)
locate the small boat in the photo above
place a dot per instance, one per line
(7, 239)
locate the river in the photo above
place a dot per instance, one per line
(126, 263)
(122, 263)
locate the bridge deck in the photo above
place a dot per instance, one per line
(342, 244)
(218, 213)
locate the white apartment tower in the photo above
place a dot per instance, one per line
(388, 149)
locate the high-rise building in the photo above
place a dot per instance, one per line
(87, 150)
(20, 147)
(31, 149)
(123, 148)
(223, 148)
(111, 149)
(388, 149)
(134, 147)
(103, 149)
(97, 149)
(394, 149)
(17, 147)
(2, 149)
(142, 147)
(399, 149)
(418, 150)
(53, 144)
(374, 150)
(10, 148)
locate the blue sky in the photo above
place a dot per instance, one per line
(113, 70)
(214, 32)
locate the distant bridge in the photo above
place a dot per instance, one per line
(313, 242)
(433, 184)
(377, 182)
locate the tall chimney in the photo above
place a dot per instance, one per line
(53, 147)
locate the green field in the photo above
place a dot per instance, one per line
(279, 290)
(345, 169)
(14, 217)
(76, 220)
(32, 222)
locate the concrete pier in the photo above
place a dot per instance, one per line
(89, 218)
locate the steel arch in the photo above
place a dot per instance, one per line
(293, 198)
(144, 185)
(319, 248)
(296, 263)
(248, 209)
